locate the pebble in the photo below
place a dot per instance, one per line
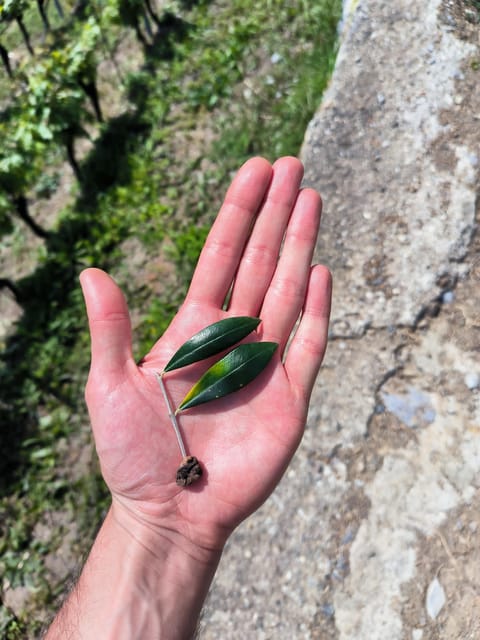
(435, 598)
(328, 610)
(472, 380)
(473, 158)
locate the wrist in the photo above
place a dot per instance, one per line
(165, 573)
(176, 521)
(157, 543)
(137, 583)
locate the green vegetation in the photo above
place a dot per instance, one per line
(146, 113)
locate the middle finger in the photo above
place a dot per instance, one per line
(261, 253)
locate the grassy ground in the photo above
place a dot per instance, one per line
(222, 82)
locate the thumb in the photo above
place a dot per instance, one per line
(109, 321)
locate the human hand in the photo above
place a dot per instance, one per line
(243, 441)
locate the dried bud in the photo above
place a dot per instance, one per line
(189, 471)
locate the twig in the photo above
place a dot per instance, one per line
(172, 416)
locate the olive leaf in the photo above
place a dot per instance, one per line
(211, 340)
(233, 372)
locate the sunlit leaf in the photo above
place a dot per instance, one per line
(211, 340)
(231, 373)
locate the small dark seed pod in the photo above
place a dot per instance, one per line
(189, 471)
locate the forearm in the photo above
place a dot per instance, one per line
(137, 584)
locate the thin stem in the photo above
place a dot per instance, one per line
(172, 415)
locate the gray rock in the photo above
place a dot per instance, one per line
(369, 510)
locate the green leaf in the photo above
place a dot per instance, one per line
(211, 340)
(231, 373)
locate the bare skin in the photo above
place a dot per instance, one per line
(155, 556)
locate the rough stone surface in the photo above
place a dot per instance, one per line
(382, 498)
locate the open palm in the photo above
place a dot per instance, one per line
(261, 243)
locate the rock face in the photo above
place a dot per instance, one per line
(374, 533)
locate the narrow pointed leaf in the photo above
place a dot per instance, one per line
(231, 373)
(209, 341)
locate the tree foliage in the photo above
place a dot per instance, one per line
(54, 99)
(49, 109)
(14, 10)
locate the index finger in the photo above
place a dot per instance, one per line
(224, 246)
